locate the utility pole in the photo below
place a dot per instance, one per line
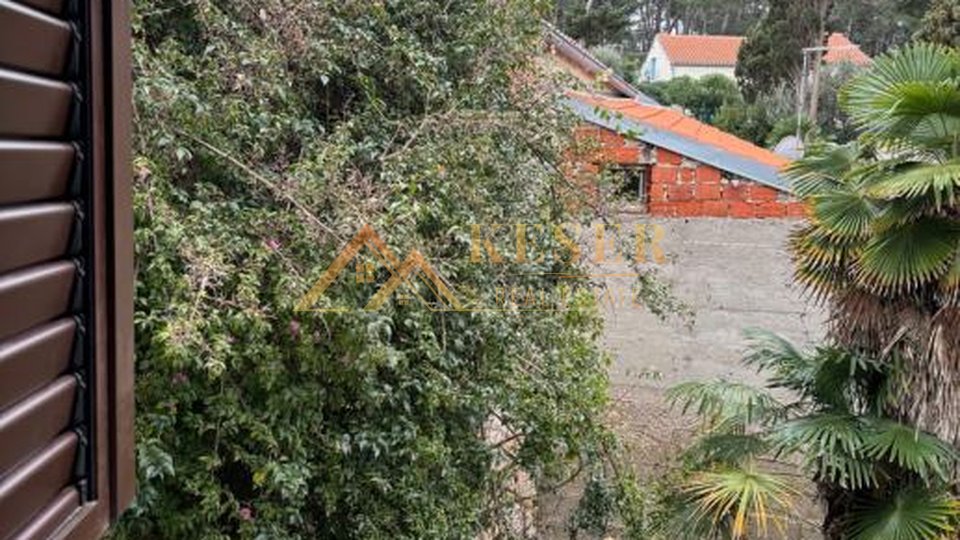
(815, 91)
(823, 10)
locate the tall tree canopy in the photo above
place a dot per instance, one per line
(877, 25)
(772, 53)
(596, 22)
(941, 24)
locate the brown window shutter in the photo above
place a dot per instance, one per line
(66, 268)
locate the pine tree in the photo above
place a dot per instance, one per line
(596, 22)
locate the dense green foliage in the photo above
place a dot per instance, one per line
(941, 23)
(632, 24)
(701, 97)
(595, 22)
(749, 121)
(877, 26)
(895, 480)
(771, 54)
(267, 134)
(626, 65)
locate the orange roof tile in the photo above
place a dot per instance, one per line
(674, 121)
(691, 50)
(841, 49)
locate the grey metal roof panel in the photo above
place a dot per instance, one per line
(685, 146)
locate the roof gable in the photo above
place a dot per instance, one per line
(679, 133)
(841, 49)
(694, 50)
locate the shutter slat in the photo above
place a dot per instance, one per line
(33, 106)
(51, 6)
(32, 40)
(33, 359)
(35, 421)
(48, 520)
(34, 171)
(33, 296)
(34, 234)
(30, 488)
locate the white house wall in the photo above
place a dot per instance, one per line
(700, 71)
(656, 66)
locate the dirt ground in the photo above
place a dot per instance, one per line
(733, 275)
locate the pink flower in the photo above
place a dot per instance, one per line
(294, 328)
(246, 513)
(179, 378)
(273, 244)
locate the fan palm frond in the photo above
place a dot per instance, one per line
(787, 365)
(830, 444)
(726, 402)
(847, 381)
(726, 449)
(903, 258)
(821, 260)
(896, 212)
(743, 499)
(910, 449)
(936, 181)
(844, 213)
(910, 515)
(822, 169)
(902, 89)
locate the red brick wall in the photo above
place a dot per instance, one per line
(678, 187)
(683, 188)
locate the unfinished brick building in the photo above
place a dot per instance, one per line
(681, 167)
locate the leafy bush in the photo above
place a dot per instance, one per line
(625, 65)
(702, 97)
(267, 134)
(748, 121)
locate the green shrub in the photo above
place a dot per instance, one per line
(267, 133)
(745, 120)
(701, 97)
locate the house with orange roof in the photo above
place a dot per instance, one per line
(694, 56)
(841, 50)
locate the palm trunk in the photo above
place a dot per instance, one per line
(925, 341)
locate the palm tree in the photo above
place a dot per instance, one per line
(884, 480)
(882, 246)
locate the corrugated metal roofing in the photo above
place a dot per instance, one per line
(670, 129)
